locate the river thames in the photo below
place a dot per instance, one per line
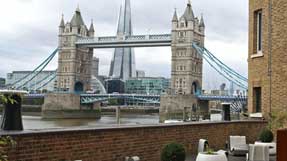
(35, 122)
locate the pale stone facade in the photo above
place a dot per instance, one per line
(267, 62)
(186, 70)
(74, 64)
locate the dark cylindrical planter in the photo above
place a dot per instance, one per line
(226, 111)
(11, 117)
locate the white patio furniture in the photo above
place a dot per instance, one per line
(211, 157)
(272, 147)
(202, 145)
(258, 153)
(134, 158)
(237, 145)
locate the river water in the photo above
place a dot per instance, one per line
(35, 122)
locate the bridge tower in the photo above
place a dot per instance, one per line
(74, 64)
(186, 70)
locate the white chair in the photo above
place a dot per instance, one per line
(258, 153)
(202, 145)
(134, 158)
(237, 145)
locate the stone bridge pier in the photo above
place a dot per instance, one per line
(182, 107)
(58, 106)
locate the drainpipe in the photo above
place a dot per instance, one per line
(270, 54)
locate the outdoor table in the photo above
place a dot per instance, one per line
(272, 147)
(211, 157)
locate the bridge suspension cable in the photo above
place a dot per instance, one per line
(26, 76)
(221, 68)
(35, 72)
(224, 66)
(42, 80)
(50, 80)
(228, 73)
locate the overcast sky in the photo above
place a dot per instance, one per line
(29, 29)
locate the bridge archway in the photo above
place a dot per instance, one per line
(194, 108)
(79, 87)
(196, 88)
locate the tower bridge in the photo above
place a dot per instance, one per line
(76, 44)
(187, 38)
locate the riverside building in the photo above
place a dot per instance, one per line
(267, 56)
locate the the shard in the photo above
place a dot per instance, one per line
(123, 62)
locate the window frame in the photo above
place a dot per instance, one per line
(259, 31)
(258, 34)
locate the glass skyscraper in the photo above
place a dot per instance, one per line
(123, 62)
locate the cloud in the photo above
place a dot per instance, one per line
(30, 29)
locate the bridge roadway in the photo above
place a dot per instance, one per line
(90, 98)
(125, 41)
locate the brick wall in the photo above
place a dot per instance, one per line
(258, 66)
(113, 144)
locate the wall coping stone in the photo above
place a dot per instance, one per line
(118, 127)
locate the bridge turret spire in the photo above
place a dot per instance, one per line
(92, 29)
(188, 13)
(189, 3)
(92, 26)
(201, 24)
(77, 19)
(78, 8)
(62, 23)
(175, 18)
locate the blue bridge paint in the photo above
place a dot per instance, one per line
(91, 98)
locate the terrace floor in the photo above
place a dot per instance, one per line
(230, 158)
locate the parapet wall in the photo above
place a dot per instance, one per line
(113, 144)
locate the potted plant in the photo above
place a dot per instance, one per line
(11, 115)
(266, 138)
(173, 152)
(210, 155)
(4, 142)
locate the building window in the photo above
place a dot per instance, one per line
(258, 30)
(182, 24)
(257, 99)
(182, 34)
